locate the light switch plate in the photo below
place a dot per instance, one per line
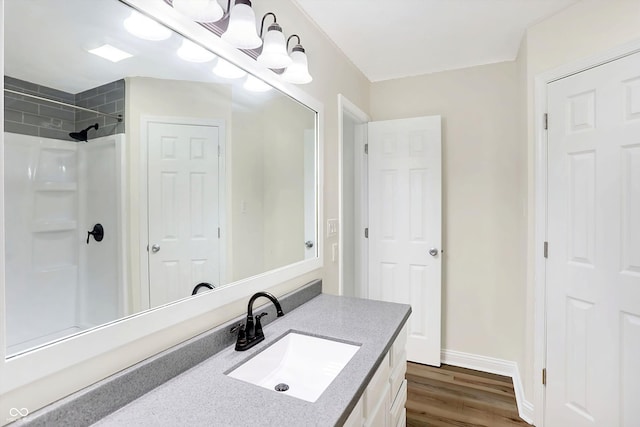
(332, 227)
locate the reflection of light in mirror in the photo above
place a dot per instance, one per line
(110, 53)
(199, 10)
(227, 70)
(255, 85)
(189, 51)
(145, 28)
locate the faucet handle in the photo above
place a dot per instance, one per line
(242, 337)
(258, 327)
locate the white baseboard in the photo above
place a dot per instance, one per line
(492, 365)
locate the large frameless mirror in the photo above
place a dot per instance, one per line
(133, 172)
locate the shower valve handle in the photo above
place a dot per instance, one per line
(97, 233)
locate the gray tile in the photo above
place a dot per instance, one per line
(120, 106)
(20, 128)
(36, 120)
(107, 87)
(95, 101)
(59, 95)
(86, 94)
(108, 108)
(20, 84)
(57, 113)
(81, 116)
(20, 105)
(54, 133)
(114, 95)
(13, 116)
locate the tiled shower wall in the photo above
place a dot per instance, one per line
(29, 116)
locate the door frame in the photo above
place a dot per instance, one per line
(540, 204)
(345, 106)
(143, 237)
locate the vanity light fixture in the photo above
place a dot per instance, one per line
(274, 50)
(145, 28)
(199, 10)
(298, 71)
(111, 53)
(254, 84)
(227, 70)
(189, 51)
(241, 31)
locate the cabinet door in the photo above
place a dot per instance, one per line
(397, 408)
(356, 418)
(379, 415)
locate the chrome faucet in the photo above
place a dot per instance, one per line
(251, 333)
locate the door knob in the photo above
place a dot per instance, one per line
(433, 251)
(155, 248)
(308, 244)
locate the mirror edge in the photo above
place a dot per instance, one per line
(18, 371)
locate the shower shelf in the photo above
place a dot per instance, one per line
(54, 225)
(55, 186)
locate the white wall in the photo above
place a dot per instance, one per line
(483, 200)
(333, 74)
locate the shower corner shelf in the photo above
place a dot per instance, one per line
(54, 225)
(55, 186)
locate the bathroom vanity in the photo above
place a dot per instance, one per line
(369, 391)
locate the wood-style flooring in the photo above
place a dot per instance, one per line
(453, 397)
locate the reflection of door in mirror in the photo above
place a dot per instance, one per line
(183, 199)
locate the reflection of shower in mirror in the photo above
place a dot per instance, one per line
(56, 284)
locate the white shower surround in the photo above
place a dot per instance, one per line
(55, 191)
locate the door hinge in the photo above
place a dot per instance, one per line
(366, 148)
(218, 232)
(546, 249)
(544, 376)
(366, 233)
(545, 120)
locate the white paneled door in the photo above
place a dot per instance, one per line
(405, 225)
(183, 193)
(593, 266)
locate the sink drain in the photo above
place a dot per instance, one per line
(282, 387)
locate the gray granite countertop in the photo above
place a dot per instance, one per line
(205, 396)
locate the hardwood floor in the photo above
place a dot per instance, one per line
(454, 397)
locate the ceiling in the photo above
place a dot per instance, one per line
(388, 39)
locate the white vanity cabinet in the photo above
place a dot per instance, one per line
(383, 402)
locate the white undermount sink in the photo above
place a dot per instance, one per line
(298, 365)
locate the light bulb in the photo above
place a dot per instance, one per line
(274, 51)
(241, 32)
(298, 71)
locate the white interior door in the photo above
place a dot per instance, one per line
(593, 266)
(405, 225)
(183, 209)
